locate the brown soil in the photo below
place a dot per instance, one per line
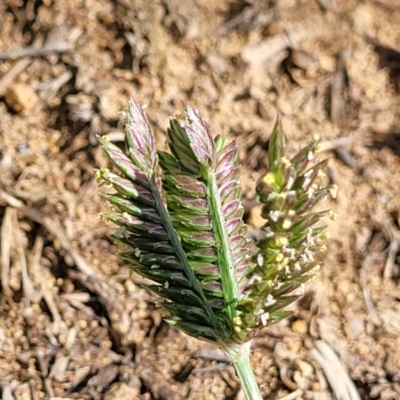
(73, 324)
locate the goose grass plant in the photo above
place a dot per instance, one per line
(180, 221)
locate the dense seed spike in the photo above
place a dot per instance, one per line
(145, 224)
(289, 191)
(217, 171)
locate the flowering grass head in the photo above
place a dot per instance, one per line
(180, 218)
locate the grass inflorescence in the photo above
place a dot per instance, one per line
(180, 220)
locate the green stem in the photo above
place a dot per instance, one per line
(239, 355)
(225, 258)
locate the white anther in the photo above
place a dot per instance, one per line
(274, 215)
(265, 318)
(270, 301)
(290, 252)
(286, 224)
(290, 182)
(268, 232)
(310, 239)
(254, 279)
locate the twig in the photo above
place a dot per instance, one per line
(335, 371)
(48, 387)
(328, 145)
(51, 88)
(393, 236)
(285, 375)
(6, 234)
(346, 157)
(206, 370)
(248, 19)
(33, 390)
(292, 396)
(338, 86)
(366, 265)
(8, 77)
(56, 229)
(54, 47)
(45, 291)
(391, 257)
(29, 291)
(339, 145)
(211, 355)
(7, 391)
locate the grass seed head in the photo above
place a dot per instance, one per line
(181, 224)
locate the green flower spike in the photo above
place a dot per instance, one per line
(180, 219)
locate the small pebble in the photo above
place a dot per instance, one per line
(21, 98)
(300, 327)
